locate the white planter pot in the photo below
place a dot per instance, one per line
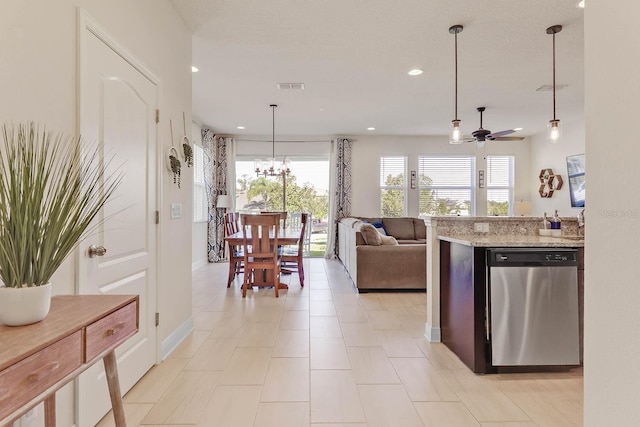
(23, 306)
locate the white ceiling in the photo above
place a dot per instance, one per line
(353, 57)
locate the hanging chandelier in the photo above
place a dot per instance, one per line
(268, 167)
(455, 137)
(553, 128)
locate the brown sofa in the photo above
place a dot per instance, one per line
(387, 266)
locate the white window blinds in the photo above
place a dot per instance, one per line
(446, 185)
(393, 186)
(500, 183)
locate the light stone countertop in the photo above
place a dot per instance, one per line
(513, 240)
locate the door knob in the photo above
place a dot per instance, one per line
(95, 251)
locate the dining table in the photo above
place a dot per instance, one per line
(286, 237)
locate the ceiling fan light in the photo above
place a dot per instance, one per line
(455, 136)
(554, 131)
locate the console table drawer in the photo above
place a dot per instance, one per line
(110, 331)
(28, 378)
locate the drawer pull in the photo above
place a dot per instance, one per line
(43, 372)
(112, 331)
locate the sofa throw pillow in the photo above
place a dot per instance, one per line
(380, 228)
(370, 235)
(389, 240)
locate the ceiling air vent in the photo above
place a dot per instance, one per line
(549, 88)
(291, 86)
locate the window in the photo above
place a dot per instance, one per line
(200, 205)
(393, 186)
(499, 185)
(446, 185)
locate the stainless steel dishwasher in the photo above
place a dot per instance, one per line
(533, 306)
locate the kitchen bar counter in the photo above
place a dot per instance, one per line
(463, 292)
(513, 241)
(502, 232)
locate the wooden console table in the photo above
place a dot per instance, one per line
(37, 360)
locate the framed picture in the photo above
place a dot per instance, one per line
(575, 173)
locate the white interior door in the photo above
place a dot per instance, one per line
(118, 102)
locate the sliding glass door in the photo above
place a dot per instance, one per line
(305, 189)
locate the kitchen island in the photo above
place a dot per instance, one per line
(459, 309)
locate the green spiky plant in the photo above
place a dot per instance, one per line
(50, 194)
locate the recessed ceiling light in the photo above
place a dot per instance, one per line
(371, 128)
(241, 127)
(194, 69)
(580, 4)
(517, 129)
(415, 72)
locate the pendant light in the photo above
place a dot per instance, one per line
(455, 136)
(268, 168)
(553, 128)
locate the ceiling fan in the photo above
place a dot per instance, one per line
(481, 135)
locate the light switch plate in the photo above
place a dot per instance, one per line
(176, 210)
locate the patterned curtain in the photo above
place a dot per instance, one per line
(340, 207)
(215, 179)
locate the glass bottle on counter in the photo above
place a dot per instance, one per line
(546, 225)
(556, 225)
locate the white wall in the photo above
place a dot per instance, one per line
(554, 156)
(261, 146)
(38, 82)
(367, 150)
(612, 291)
(198, 229)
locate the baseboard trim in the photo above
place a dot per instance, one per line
(176, 337)
(432, 333)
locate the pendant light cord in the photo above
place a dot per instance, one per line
(273, 132)
(554, 76)
(456, 66)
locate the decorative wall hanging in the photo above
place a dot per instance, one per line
(173, 163)
(549, 182)
(186, 144)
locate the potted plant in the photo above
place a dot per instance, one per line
(50, 194)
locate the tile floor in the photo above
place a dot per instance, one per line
(325, 356)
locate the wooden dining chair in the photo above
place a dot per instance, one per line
(283, 217)
(292, 256)
(236, 254)
(260, 246)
